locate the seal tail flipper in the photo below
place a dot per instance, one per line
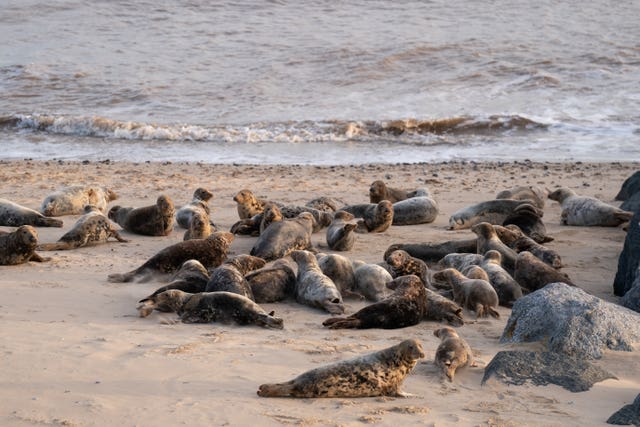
(122, 278)
(493, 312)
(276, 390)
(47, 222)
(57, 246)
(146, 306)
(342, 323)
(623, 216)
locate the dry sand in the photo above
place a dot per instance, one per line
(74, 351)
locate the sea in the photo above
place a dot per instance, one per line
(320, 82)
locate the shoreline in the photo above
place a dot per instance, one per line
(75, 351)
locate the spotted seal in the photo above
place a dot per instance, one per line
(229, 276)
(273, 282)
(491, 211)
(210, 252)
(15, 215)
(376, 374)
(587, 211)
(199, 204)
(376, 218)
(72, 200)
(528, 219)
(533, 193)
(371, 281)
(473, 294)
(313, 287)
(248, 204)
(507, 288)
(282, 237)
(222, 307)
(533, 274)
(488, 240)
(379, 191)
(452, 353)
(339, 234)
(91, 228)
(19, 246)
(153, 220)
(323, 203)
(199, 227)
(415, 210)
(406, 306)
(403, 264)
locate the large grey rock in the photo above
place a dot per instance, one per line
(627, 415)
(631, 299)
(572, 322)
(542, 368)
(629, 187)
(629, 258)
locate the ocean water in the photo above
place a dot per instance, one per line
(320, 82)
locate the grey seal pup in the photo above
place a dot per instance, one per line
(587, 211)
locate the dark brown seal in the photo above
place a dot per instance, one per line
(91, 228)
(379, 191)
(15, 215)
(210, 252)
(406, 306)
(528, 218)
(441, 308)
(376, 218)
(339, 234)
(222, 307)
(452, 353)
(488, 240)
(229, 276)
(403, 264)
(534, 194)
(154, 220)
(533, 274)
(19, 246)
(472, 294)
(491, 211)
(375, 374)
(273, 282)
(434, 252)
(282, 237)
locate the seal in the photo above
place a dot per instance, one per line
(403, 264)
(340, 235)
(379, 191)
(15, 215)
(210, 252)
(199, 227)
(273, 282)
(376, 374)
(255, 225)
(154, 220)
(371, 282)
(282, 237)
(440, 308)
(376, 218)
(248, 204)
(19, 246)
(72, 200)
(322, 219)
(323, 203)
(534, 194)
(313, 287)
(476, 272)
(491, 211)
(91, 228)
(199, 204)
(406, 306)
(340, 270)
(415, 210)
(223, 307)
(229, 276)
(488, 240)
(434, 252)
(545, 254)
(473, 294)
(270, 215)
(460, 261)
(587, 211)
(528, 218)
(192, 270)
(507, 288)
(452, 353)
(533, 274)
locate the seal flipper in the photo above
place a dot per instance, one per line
(276, 390)
(342, 323)
(43, 221)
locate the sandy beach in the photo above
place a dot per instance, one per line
(74, 351)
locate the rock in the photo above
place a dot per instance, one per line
(542, 368)
(631, 299)
(571, 322)
(632, 204)
(629, 258)
(630, 186)
(627, 415)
